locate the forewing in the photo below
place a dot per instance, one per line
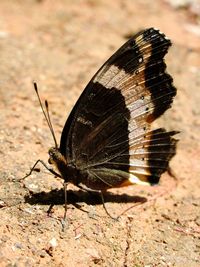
(115, 111)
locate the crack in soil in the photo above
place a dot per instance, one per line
(128, 241)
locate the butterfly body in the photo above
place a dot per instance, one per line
(82, 178)
(107, 140)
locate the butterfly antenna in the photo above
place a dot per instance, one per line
(46, 114)
(52, 130)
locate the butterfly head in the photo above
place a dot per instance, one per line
(55, 157)
(68, 171)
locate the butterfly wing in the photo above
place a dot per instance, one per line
(107, 134)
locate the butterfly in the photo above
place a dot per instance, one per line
(107, 141)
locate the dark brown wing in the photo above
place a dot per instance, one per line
(108, 132)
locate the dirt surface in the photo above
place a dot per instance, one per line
(61, 44)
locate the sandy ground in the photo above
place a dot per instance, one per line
(60, 44)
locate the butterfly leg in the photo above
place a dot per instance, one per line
(49, 209)
(64, 221)
(103, 202)
(50, 170)
(172, 173)
(65, 193)
(44, 164)
(94, 192)
(86, 189)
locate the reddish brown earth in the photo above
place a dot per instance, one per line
(60, 44)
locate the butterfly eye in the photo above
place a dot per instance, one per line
(51, 152)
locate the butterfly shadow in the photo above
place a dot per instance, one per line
(56, 197)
